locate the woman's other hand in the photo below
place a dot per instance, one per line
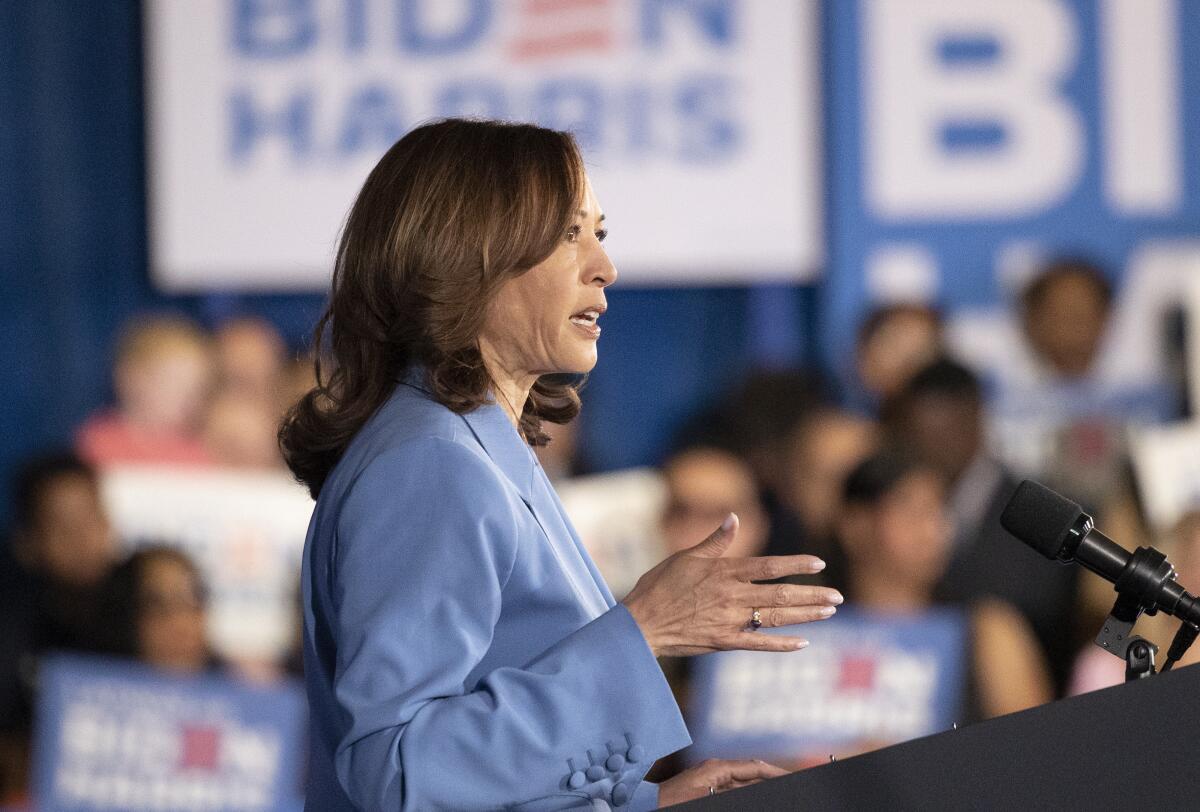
(713, 776)
(696, 601)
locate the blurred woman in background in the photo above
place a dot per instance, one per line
(897, 541)
(156, 608)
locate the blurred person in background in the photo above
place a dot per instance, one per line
(155, 610)
(892, 664)
(241, 421)
(1065, 311)
(706, 481)
(241, 432)
(897, 540)
(250, 356)
(894, 341)
(162, 378)
(61, 549)
(754, 421)
(756, 416)
(1060, 410)
(824, 446)
(939, 414)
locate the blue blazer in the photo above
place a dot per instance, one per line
(460, 649)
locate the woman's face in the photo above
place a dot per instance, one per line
(911, 528)
(171, 618)
(545, 320)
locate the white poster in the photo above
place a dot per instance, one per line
(698, 119)
(245, 530)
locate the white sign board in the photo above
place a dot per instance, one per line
(1167, 462)
(244, 530)
(617, 516)
(699, 121)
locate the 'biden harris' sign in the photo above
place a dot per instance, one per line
(698, 119)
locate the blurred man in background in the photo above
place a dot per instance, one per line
(939, 414)
(250, 358)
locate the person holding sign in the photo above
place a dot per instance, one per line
(461, 650)
(894, 667)
(897, 539)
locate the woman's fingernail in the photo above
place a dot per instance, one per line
(836, 598)
(727, 525)
(826, 611)
(799, 644)
(818, 565)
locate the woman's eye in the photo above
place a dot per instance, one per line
(573, 233)
(602, 234)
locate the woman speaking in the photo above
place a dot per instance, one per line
(460, 649)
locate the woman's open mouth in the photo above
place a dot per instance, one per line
(586, 321)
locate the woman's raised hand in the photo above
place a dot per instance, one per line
(696, 601)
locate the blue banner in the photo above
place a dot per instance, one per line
(116, 735)
(866, 680)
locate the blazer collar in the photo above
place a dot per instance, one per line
(496, 433)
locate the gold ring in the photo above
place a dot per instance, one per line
(756, 620)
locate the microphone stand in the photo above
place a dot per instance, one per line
(1136, 590)
(1115, 637)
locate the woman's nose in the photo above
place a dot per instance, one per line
(600, 268)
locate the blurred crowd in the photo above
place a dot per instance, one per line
(896, 482)
(183, 397)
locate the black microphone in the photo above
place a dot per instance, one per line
(1060, 530)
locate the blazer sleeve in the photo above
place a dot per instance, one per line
(426, 540)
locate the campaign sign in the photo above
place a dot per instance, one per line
(974, 140)
(698, 120)
(114, 735)
(865, 681)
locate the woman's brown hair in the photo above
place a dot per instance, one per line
(453, 210)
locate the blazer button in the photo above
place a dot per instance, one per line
(577, 779)
(615, 762)
(620, 795)
(636, 753)
(595, 772)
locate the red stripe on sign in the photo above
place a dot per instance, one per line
(201, 747)
(559, 44)
(551, 6)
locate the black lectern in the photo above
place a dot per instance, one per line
(1129, 747)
